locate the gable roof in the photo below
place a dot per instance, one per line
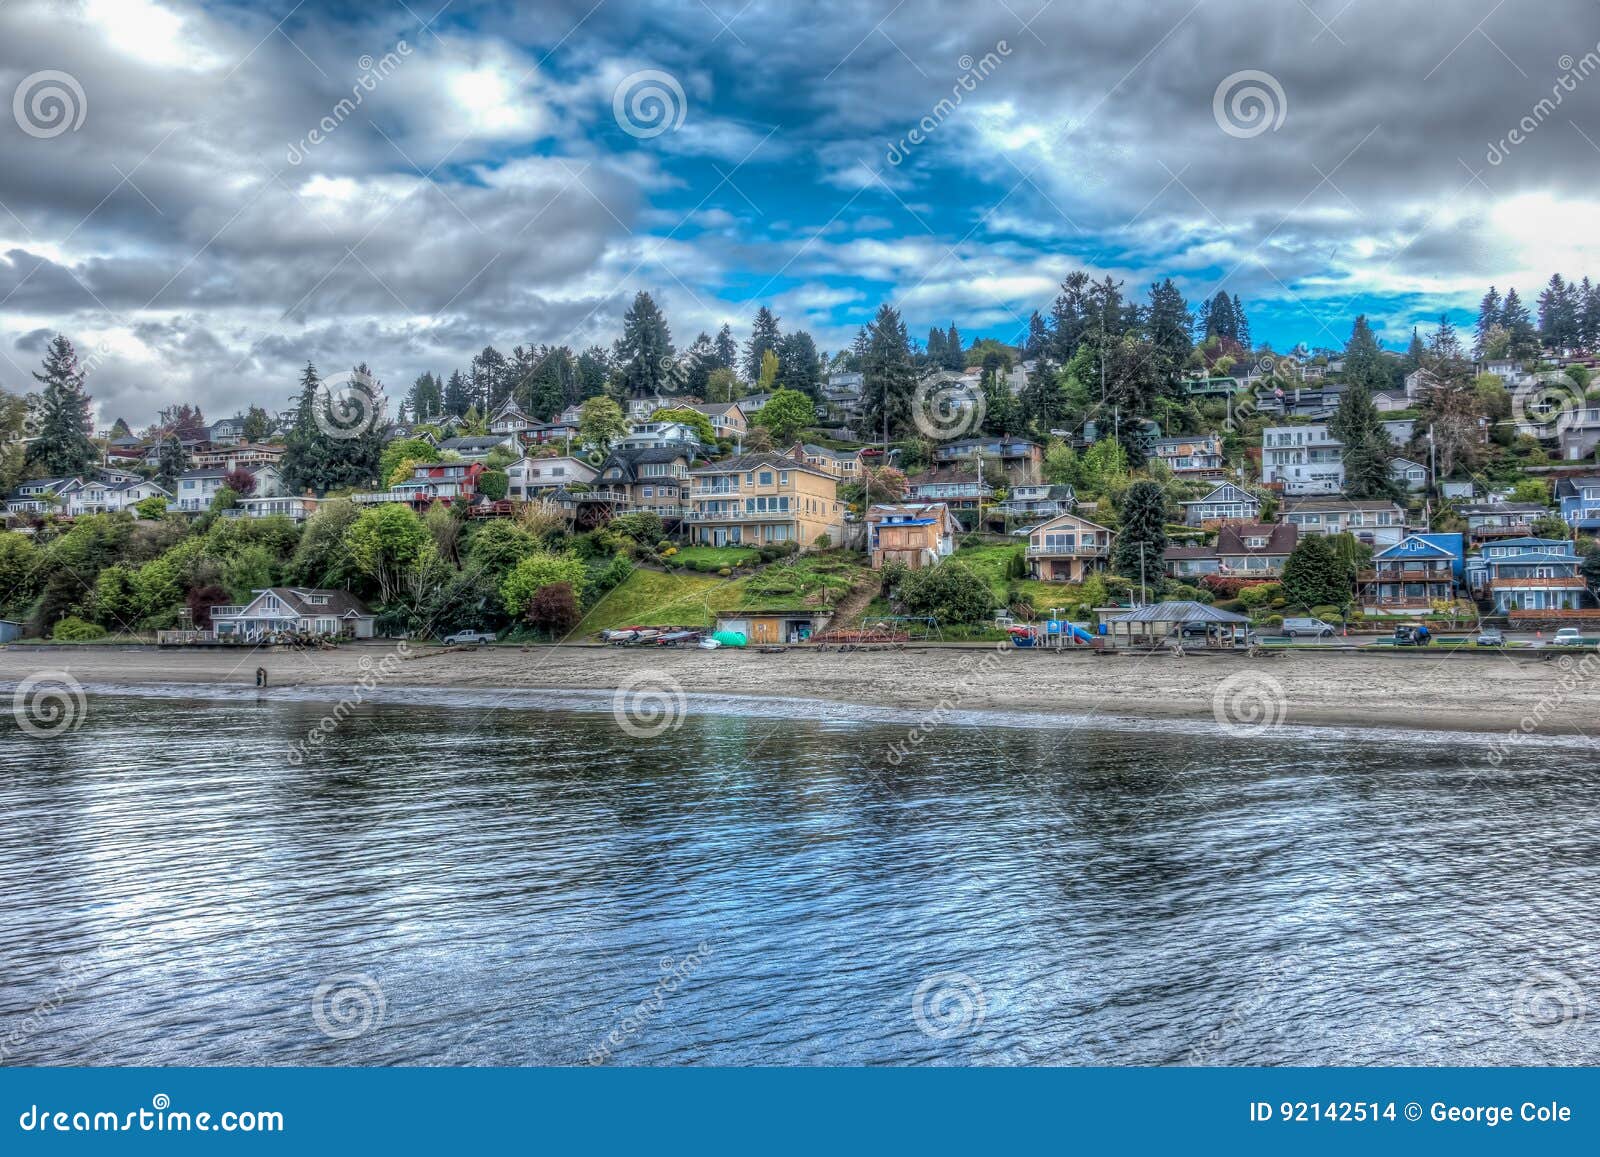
(1183, 611)
(1281, 538)
(1414, 546)
(769, 460)
(1075, 519)
(340, 603)
(1244, 495)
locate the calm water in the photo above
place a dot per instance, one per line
(452, 885)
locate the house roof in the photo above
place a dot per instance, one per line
(1178, 553)
(765, 460)
(1533, 556)
(1184, 611)
(472, 442)
(1281, 538)
(1414, 545)
(716, 409)
(1503, 508)
(1525, 540)
(924, 512)
(946, 478)
(340, 603)
(1075, 518)
(223, 471)
(1212, 496)
(1320, 505)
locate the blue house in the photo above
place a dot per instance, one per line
(1530, 574)
(1455, 544)
(1580, 502)
(1410, 576)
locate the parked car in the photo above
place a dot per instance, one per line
(1316, 628)
(1490, 637)
(708, 644)
(469, 637)
(1412, 635)
(1567, 637)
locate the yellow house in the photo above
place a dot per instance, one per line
(844, 465)
(1067, 548)
(761, 499)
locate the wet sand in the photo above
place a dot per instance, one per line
(1432, 690)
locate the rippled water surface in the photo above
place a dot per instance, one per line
(447, 884)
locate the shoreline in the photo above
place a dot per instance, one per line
(1433, 692)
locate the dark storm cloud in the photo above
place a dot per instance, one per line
(480, 193)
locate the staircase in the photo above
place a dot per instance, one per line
(849, 609)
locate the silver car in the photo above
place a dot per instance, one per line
(469, 637)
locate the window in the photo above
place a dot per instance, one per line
(766, 478)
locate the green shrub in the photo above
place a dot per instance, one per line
(73, 629)
(724, 571)
(1328, 614)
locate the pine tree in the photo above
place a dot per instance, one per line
(171, 460)
(119, 429)
(1588, 306)
(457, 397)
(799, 364)
(727, 349)
(1364, 363)
(1558, 315)
(644, 352)
(490, 380)
(1221, 320)
(887, 378)
(935, 349)
(954, 357)
(1067, 321)
(699, 360)
(764, 336)
(302, 464)
(1367, 448)
(1168, 323)
(1514, 318)
(62, 447)
(1314, 575)
(1241, 325)
(1037, 343)
(1415, 353)
(1488, 317)
(1141, 535)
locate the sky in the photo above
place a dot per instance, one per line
(203, 197)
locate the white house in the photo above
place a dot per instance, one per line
(1302, 459)
(299, 610)
(531, 476)
(196, 488)
(98, 496)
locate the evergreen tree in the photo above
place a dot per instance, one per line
(1367, 448)
(62, 447)
(1314, 575)
(1364, 363)
(457, 397)
(1067, 321)
(936, 346)
(644, 352)
(119, 429)
(426, 398)
(887, 378)
(1221, 320)
(1415, 353)
(727, 349)
(1523, 339)
(1489, 316)
(799, 364)
(699, 360)
(1168, 323)
(491, 381)
(1558, 315)
(764, 336)
(1141, 535)
(1241, 325)
(954, 357)
(593, 371)
(1037, 343)
(171, 461)
(1588, 304)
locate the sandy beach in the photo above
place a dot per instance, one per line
(1414, 690)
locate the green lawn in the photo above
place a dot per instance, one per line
(990, 560)
(648, 598)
